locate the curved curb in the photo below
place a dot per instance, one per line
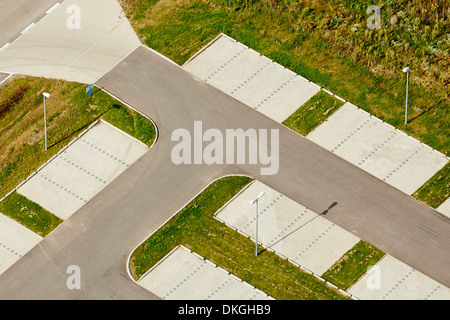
(136, 110)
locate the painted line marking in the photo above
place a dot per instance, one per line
(27, 28)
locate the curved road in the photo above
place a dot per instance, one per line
(100, 236)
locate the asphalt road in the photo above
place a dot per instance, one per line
(16, 15)
(100, 236)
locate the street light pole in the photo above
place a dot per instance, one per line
(46, 95)
(255, 201)
(406, 70)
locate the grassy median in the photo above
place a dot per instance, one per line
(353, 264)
(29, 214)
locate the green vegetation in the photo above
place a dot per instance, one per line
(70, 110)
(132, 123)
(313, 113)
(353, 264)
(328, 43)
(436, 190)
(195, 227)
(29, 214)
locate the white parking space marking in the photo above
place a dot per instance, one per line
(86, 167)
(378, 148)
(15, 241)
(397, 281)
(184, 275)
(288, 228)
(52, 8)
(251, 78)
(27, 28)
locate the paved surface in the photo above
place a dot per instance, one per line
(184, 275)
(397, 281)
(16, 15)
(71, 179)
(15, 242)
(444, 208)
(101, 235)
(251, 78)
(55, 49)
(378, 148)
(288, 228)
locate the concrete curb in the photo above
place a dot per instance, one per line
(173, 215)
(136, 110)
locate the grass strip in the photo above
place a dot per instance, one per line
(196, 228)
(311, 114)
(29, 214)
(353, 264)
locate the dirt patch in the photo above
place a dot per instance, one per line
(13, 98)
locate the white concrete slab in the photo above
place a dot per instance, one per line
(378, 148)
(182, 275)
(15, 242)
(394, 280)
(86, 167)
(56, 48)
(288, 228)
(444, 208)
(251, 78)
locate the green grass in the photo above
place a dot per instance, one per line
(313, 113)
(436, 190)
(132, 123)
(29, 214)
(195, 227)
(69, 111)
(353, 264)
